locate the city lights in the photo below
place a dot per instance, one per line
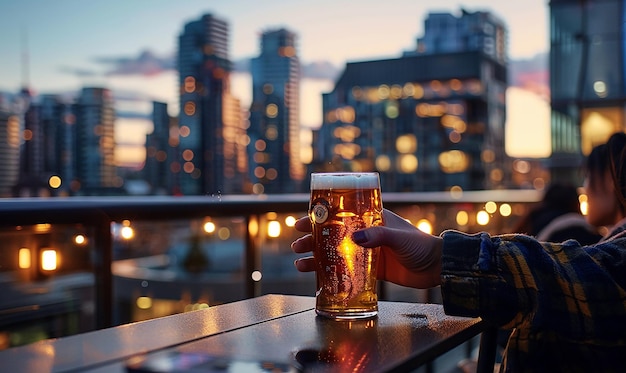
(505, 210)
(80, 239)
(49, 259)
(127, 233)
(256, 276)
(290, 221)
(425, 226)
(24, 259)
(223, 233)
(144, 303)
(209, 227)
(54, 182)
(273, 229)
(482, 217)
(462, 218)
(491, 207)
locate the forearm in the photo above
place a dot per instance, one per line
(515, 280)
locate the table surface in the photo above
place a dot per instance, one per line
(281, 329)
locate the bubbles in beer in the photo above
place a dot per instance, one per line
(340, 205)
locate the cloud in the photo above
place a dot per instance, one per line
(79, 72)
(320, 70)
(146, 63)
(313, 70)
(531, 74)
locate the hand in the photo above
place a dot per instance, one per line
(408, 256)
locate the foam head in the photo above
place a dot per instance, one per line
(345, 180)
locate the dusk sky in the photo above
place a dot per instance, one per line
(74, 43)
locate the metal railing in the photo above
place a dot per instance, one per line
(99, 213)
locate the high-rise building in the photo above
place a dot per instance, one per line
(208, 111)
(425, 121)
(161, 151)
(471, 31)
(31, 181)
(9, 151)
(95, 169)
(587, 79)
(57, 123)
(274, 115)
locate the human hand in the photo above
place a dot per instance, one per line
(408, 256)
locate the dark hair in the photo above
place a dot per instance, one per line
(561, 197)
(610, 157)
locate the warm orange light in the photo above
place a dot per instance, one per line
(273, 229)
(209, 227)
(48, 259)
(505, 209)
(482, 217)
(425, 226)
(79, 239)
(462, 218)
(54, 182)
(127, 233)
(290, 221)
(24, 258)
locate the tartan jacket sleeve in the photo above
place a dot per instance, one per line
(516, 281)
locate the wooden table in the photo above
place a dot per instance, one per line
(278, 329)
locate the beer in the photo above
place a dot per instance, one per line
(342, 203)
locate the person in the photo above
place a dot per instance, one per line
(558, 218)
(565, 302)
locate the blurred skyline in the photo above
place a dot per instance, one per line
(130, 47)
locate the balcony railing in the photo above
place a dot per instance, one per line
(36, 225)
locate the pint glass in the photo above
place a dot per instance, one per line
(340, 204)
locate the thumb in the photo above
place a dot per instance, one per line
(413, 248)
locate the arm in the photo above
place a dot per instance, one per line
(516, 280)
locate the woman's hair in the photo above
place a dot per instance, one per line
(610, 157)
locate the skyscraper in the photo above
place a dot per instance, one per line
(9, 151)
(274, 115)
(161, 151)
(208, 111)
(471, 31)
(425, 121)
(30, 181)
(95, 142)
(587, 79)
(57, 123)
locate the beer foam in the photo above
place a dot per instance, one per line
(345, 180)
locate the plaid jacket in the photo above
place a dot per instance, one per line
(566, 303)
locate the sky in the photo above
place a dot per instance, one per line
(75, 43)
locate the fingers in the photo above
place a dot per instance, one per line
(305, 264)
(303, 244)
(303, 224)
(383, 236)
(391, 219)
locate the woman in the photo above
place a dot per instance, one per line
(565, 302)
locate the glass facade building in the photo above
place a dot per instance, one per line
(274, 115)
(431, 120)
(95, 142)
(9, 151)
(210, 118)
(587, 78)
(161, 147)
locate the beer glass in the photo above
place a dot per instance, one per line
(340, 204)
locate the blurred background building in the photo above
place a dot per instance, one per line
(275, 165)
(210, 117)
(587, 79)
(428, 121)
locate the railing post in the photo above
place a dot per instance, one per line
(103, 258)
(252, 257)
